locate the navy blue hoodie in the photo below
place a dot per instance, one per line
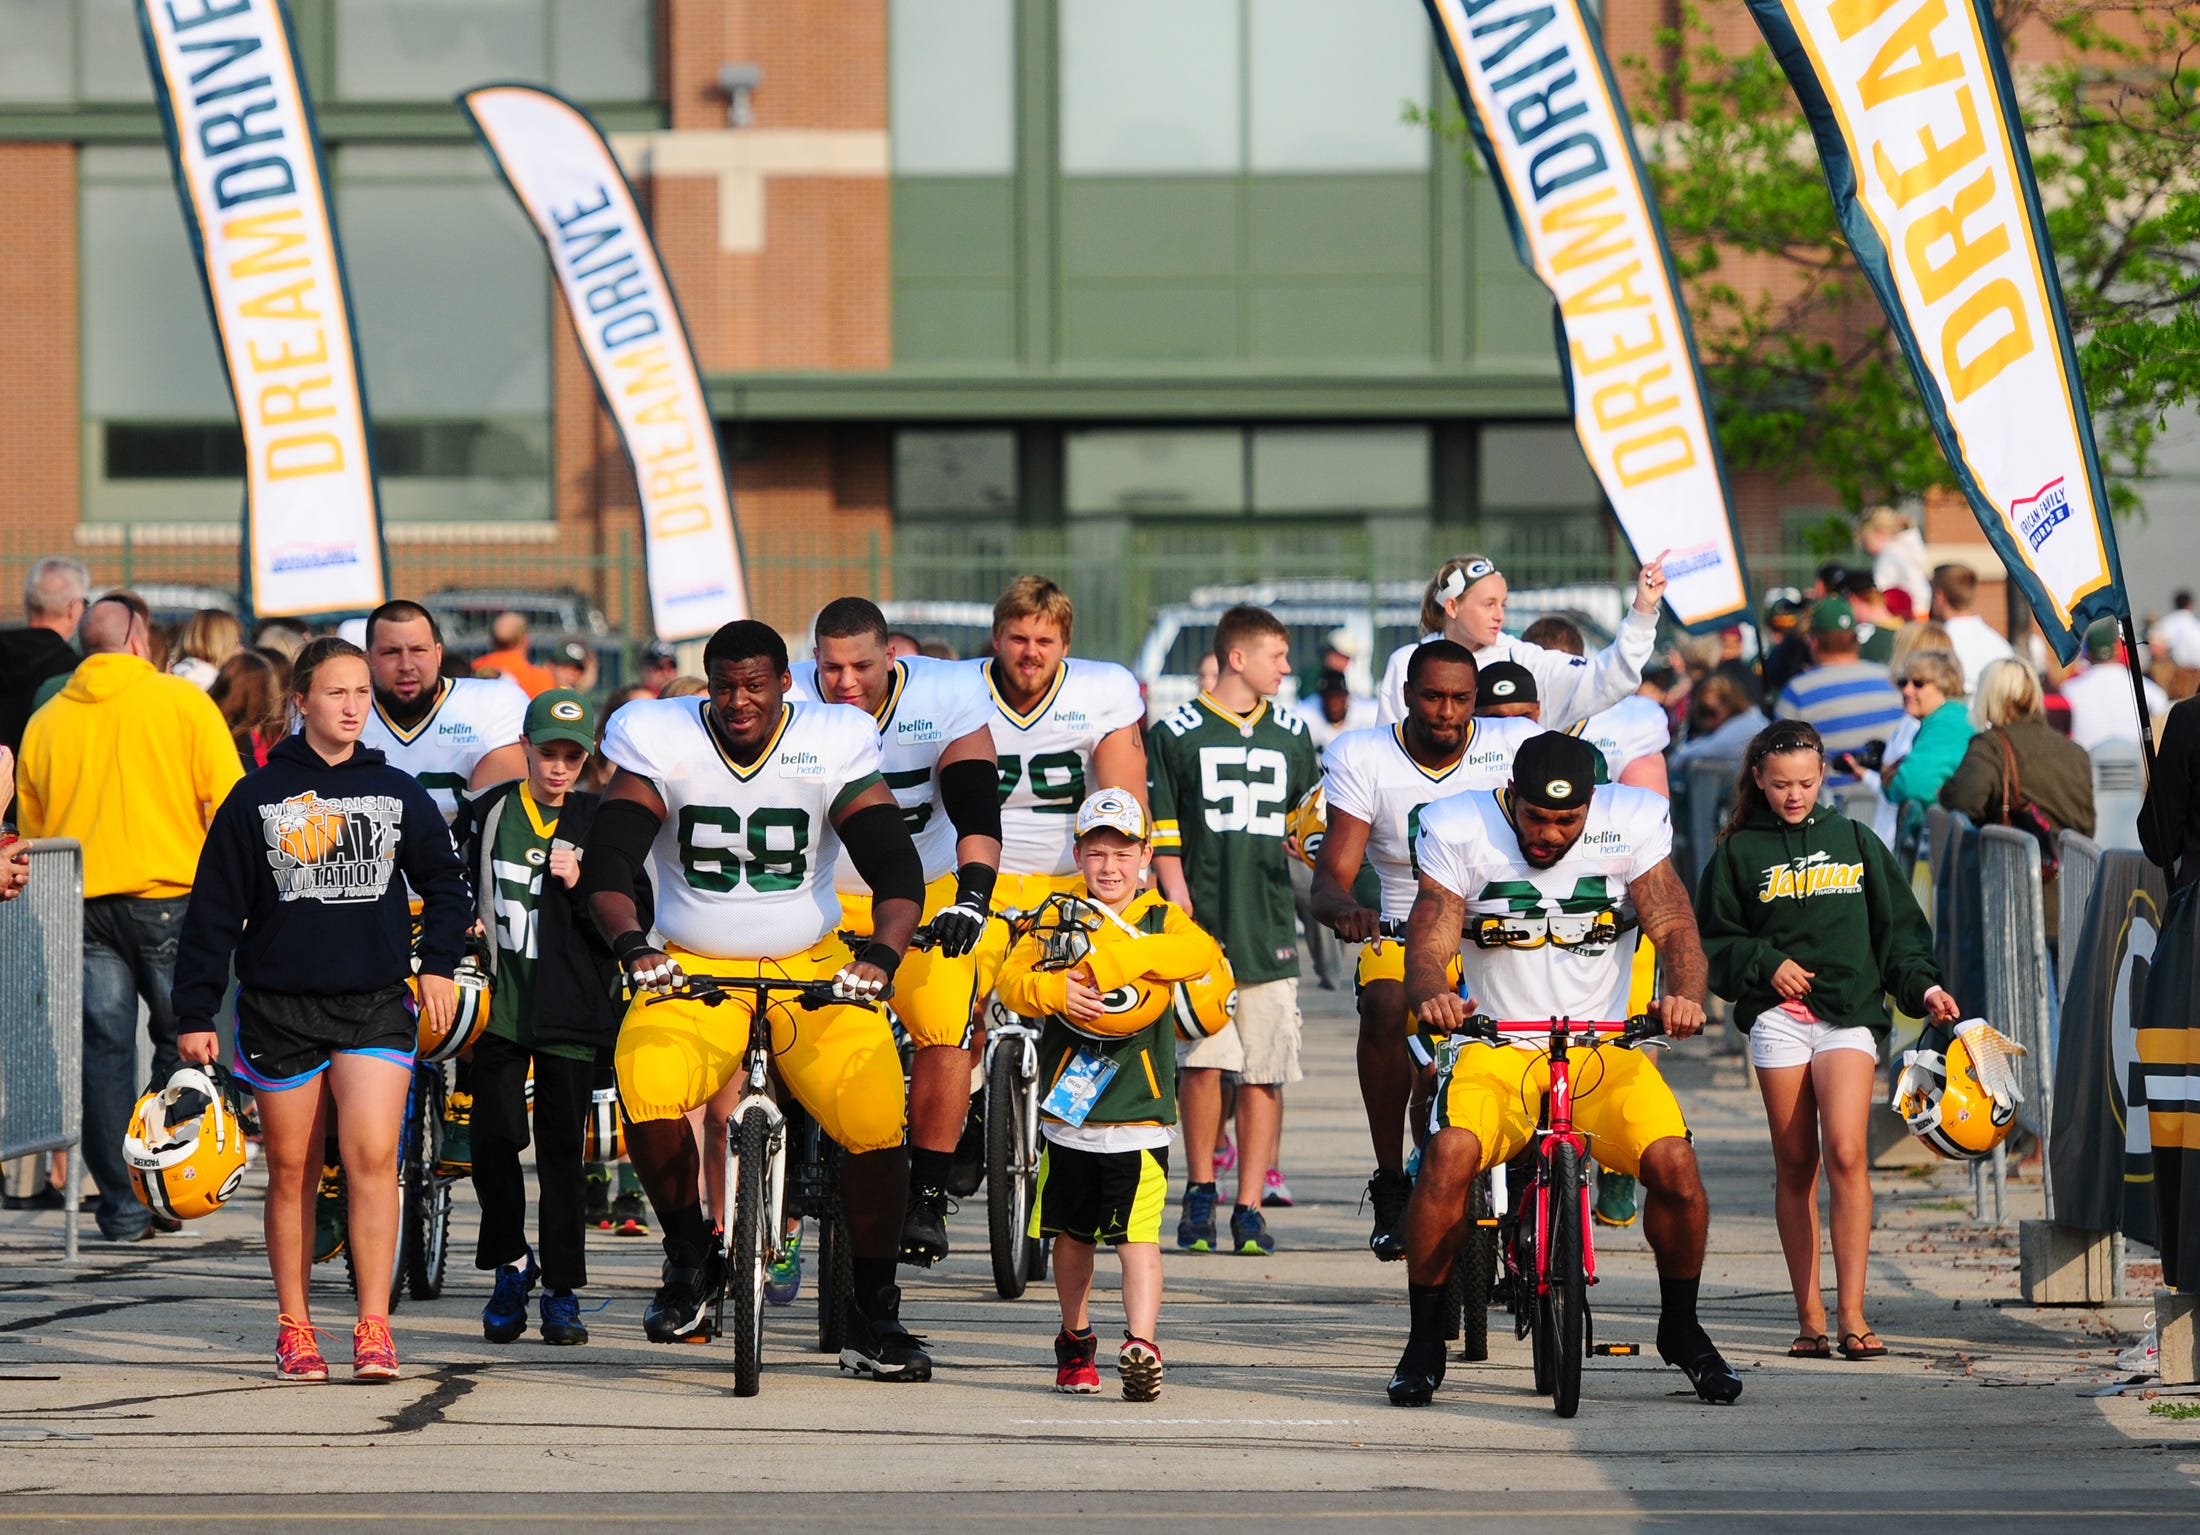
(303, 876)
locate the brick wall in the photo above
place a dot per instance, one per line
(40, 488)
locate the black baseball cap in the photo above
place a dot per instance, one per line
(1332, 681)
(1507, 682)
(660, 654)
(1555, 770)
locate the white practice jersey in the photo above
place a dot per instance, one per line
(1634, 727)
(1570, 688)
(1468, 846)
(744, 863)
(1046, 757)
(1368, 775)
(472, 717)
(929, 705)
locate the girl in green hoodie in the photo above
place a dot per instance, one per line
(1808, 924)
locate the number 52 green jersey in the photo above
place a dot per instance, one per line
(1221, 785)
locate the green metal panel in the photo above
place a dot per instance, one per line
(1339, 321)
(956, 227)
(1512, 311)
(1137, 393)
(1338, 227)
(1151, 321)
(1160, 226)
(945, 323)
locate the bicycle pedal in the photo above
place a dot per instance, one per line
(1617, 1350)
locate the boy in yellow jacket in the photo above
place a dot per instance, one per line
(1115, 971)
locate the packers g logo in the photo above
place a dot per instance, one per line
(1504, 687)
(566, 709)
(1557, 788)
(1123, 999)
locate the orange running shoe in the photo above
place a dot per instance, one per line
(373, 1350)
(297, 1352)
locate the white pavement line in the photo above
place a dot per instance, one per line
(1202, 1422)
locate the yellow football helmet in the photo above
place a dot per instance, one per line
(604, 1136)
(472, 1016)
(1207, 1006)
(184, 1147)
(1307, 823)
(1963, 1102)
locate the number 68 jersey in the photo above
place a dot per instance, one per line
(1046, 758)
(744, 861)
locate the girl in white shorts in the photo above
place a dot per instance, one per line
(1809, 926)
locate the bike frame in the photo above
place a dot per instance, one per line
(1559, 1130)
(758, 1102)
(1010, 1030)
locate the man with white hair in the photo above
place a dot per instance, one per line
(53, 604)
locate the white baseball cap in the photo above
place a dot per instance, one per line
(1114, 809)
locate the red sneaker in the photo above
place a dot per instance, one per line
(1074, 1370)
(297, 1352)
(1139, 1364)
(373, 1350)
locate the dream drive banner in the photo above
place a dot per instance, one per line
(559, 166)
(1554, 132)
(247, 164)
(1917, 125)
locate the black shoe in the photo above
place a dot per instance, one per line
(1420, 1371)
(681, 1312)
(879, 1346)
(1389, 1193)
(967, 1171)
(924, 1228)
(1698, 1358)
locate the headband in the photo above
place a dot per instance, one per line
(1455, 585)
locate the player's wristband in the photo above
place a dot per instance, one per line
(631, 945)
(881, 955)
(974, 885)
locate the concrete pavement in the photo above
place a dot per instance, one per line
(145, 1372)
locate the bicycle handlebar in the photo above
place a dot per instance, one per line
(922, 938)
(713, 989)
(1634, 1031)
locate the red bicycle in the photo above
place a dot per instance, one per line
(1543, 1240)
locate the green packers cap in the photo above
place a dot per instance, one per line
(561, 715)
(1114, 810)
(1555, 770)
(1833, 615)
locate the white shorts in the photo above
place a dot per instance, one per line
(1262, 1046)
(1779, 1038)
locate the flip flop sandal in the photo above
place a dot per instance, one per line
(1811, 1346)
(1863, 1349)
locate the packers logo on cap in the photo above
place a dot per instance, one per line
(1559, 789)
(1504, 688)
(566, 709)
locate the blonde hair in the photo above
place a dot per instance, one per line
(1432, 606)
(1936, 668)
(1910, 638)
(210, 635)
(1034, 597)
(683, 687)
(2008, 691)
(1885, 520)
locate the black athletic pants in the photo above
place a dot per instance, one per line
(500, 1134)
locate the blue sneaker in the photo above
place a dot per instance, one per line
(1195, 1233)
(561, 1317)
(505, 1317)
(783, 1280)
(1249, 1233)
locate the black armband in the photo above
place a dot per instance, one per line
(631, 945)
(881, 955)
(974, 884)
(971, 792)
(618, 849)
(878, 843)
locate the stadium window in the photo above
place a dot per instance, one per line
(54, 52)
(1151, 87)
(955, 475)
(1114, 473)
(1306, 471)
(951, 88)
(1538, 496)
(1329, 85)
(426, 50)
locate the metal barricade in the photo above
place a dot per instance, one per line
(1708, 783)
(2081, 868)
(42, 1015)
(2014, 935)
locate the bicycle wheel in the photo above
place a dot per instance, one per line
(1007, 1194)
(428, 1200)
(746, 1237)
(836, 1282)
(1566, 1297)
(1476, 1267)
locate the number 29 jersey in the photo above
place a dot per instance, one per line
(929, 705)
(1468, 845)
(745, 859)
(1046, 758)
(1369, 775)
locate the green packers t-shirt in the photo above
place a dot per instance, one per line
(1221, 785)
(518, 860)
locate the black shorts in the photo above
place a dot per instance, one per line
(1101, 1196)
(285, 1038)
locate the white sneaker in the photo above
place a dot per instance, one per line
(2145, 1356)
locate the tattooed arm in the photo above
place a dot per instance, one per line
(1668, 920)
(1432, 943)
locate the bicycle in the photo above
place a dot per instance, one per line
(757, 1172)
(1544, 1241)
